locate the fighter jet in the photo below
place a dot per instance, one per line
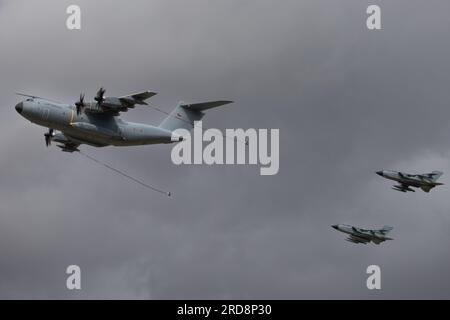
(358, 235)
(98, 124)
(426, 181)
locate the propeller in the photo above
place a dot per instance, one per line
(99, 97)
(48, 137)
(80, 104)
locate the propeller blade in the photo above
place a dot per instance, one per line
(80, 104)
(48, 137)
(100, 96)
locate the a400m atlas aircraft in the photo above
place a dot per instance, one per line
(98, 123)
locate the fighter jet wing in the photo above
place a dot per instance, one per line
(356, 239)
(377, 241)
(402, 188)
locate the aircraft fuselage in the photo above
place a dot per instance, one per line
(359, 235)
(406, 179)
(91, 128)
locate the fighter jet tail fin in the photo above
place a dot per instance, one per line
(386, 229)
(184, 115)
(435, 175)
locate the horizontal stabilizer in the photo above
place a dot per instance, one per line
(427, 188)
(205, 105)
(184, 115)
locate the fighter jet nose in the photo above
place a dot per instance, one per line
(335, 226)
(19, 107)
(380, 173)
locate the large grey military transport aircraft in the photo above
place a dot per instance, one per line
(426, 181)
(358, 235)
(98, 123)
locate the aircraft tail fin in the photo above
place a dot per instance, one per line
(386, 229)
(184, 115)
(435, 175)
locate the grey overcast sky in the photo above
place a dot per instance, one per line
(348, 101)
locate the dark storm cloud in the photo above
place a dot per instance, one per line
(347, 101)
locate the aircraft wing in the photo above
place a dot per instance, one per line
(402, 188)
(71, 144)
(112, 105)
(136, 98)
(68, 146)
(356, 239)
(377, 241)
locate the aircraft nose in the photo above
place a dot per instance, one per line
(19, 107)
(335, 226)
(380, 173)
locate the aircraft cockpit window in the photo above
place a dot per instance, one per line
(29, 99)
